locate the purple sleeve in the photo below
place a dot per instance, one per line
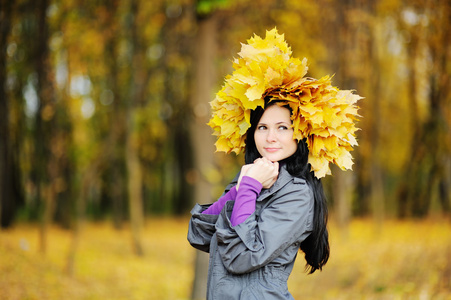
(245, 200)
(215, 208)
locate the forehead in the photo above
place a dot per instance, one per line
(276, 114)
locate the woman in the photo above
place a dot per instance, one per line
(276, 205)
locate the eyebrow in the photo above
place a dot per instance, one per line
(278, 123)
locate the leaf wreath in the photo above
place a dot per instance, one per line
(321, 113)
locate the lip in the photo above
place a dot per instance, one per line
(271, 150)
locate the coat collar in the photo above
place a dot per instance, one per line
(283, 179)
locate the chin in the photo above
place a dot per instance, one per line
(273, 158)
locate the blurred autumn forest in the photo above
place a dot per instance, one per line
(103, 112)
(104, 104)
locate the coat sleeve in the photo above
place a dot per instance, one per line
(201, 228)
(259, 240)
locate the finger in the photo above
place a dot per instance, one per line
(260, 158)
(266, 160)
(269, 183)
(260, 162)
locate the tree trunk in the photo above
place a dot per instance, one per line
(134, 174)
(342, 189)
(177, 44)
(6, 188)
(45, 164)
(135, 195)
(113, 178)
(407, 186)
(376, 177)
(342, 182)
(202, 140)
(80, 209)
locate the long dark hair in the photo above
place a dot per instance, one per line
(316, 245)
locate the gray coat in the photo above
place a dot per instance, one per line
(254, 259)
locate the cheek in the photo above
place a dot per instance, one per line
(292, 146)
(258, 140)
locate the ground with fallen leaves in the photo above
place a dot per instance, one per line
(398, 260)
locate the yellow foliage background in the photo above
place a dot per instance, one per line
(106, 78)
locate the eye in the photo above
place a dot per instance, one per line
(261, 127)
(283, 127)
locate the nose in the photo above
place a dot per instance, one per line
(271, 136)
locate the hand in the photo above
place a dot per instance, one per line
(262, 170)
(243, 172)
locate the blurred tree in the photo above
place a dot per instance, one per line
(113, 172)
(63, 141)
(344, 38)
(8, 189)
(137, 84)
(177, 39)
(374, 57)
(46, 165)
(20, 80)
(203, 143)
(428, 25)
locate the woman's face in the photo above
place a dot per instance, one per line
(274, 134)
